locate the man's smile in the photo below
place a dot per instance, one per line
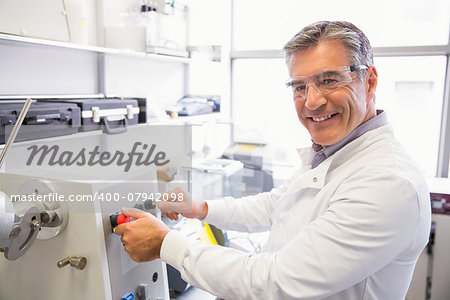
(321, 118)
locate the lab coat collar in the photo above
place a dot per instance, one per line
(306, 154)
(313, 178)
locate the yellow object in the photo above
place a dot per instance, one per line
(206, 235)
(246, 148)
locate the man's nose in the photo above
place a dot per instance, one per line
(314, 99)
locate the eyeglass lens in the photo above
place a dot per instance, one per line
(324, 82)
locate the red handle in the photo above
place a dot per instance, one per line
(121, 218)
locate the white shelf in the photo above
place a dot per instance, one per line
(194, 120)
(67, 45)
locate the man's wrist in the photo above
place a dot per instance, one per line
(163, 236)
(203, 210)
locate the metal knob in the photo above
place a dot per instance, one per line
(77, 262)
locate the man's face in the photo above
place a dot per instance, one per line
(331, 117)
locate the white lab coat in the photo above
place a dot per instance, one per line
(352, 228)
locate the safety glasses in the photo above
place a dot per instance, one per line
(325, 81)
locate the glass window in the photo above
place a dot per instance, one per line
(411, 90)
(263, 109)
(261, 24)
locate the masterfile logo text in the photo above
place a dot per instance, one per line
(141, 154)
(93, 155)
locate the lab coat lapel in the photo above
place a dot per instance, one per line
(312, 178)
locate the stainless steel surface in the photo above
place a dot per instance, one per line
(15, 231)
(54, 214)
(29, 221)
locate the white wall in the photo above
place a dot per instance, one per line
(35, 69)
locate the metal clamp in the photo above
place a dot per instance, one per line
(23, 233)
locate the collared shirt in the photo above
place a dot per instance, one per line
(322, 153)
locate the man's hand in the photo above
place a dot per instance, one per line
(183, 204)
(142, 238)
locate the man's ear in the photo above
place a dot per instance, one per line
(371, 82)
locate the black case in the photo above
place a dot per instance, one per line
(111, 115)
(54, 119)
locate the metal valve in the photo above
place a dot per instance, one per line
(77, 262)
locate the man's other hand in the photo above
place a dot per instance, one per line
(182, 204)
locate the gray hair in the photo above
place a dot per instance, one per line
(353, 39)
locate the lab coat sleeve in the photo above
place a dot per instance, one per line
(249, 214)
(371, 219)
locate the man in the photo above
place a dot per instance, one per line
(349, 224)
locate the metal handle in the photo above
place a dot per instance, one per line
(77, 262)
(110, 130)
